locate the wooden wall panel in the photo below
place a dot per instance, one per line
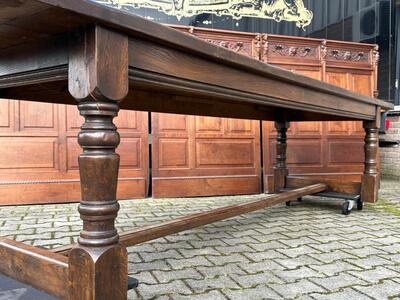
(329, 149)
(200, 156)
(40, 162)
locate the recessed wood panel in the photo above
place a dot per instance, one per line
(338, 79)
(6, 112)
(73, 119)
(361, 83)
(338, 127)
(73, 151)
(209, 124)
(238, 126)
(129, 151)
(301, 152)
(38, 116)
(172, 122)
(28, 149)
(224, 153)
(127, 119)
(306, 128)
(173, 153)
(345, 152)
(310, 73)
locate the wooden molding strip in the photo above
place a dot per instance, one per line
(40, 268)
(151, 232)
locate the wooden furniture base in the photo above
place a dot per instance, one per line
(81, 53)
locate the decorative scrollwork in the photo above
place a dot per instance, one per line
(238, 47)
(346, 55)
(294, 51)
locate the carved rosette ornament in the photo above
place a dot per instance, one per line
(347, 55)
(292, 51)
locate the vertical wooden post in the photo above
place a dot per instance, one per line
(280, 168)
(98, 80)
(370, 178)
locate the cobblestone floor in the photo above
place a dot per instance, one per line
(306, 251)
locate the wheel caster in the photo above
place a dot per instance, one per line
(360, 205)
(299, 199)
(346, 208)
(287, 203)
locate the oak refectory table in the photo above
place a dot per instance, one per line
(102, 59)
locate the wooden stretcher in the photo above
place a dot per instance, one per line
(81, 53)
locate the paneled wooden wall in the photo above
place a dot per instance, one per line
(195, 156)
(191, 156)
(38, 156)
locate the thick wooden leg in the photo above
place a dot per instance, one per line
(280, 168)
(370, 178)
(98, 79)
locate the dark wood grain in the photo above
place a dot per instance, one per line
(370, 178)
(39, 268)
(280, 168)
(98, 79)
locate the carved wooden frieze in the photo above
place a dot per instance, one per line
(301, 51)
(348, 55)
(236, 46)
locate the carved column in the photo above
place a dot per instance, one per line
(98, 80)
(280, 168)
(370, 178)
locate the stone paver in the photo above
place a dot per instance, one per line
(306, 251)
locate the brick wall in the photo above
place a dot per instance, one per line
(390, 157)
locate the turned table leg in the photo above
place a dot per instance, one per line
(370, 178)
(98, 80)
(280, 168)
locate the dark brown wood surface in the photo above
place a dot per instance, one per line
(153, 65)
(37, 267)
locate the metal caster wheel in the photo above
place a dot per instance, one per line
(346, 208)
(287, 203)
(360, 205)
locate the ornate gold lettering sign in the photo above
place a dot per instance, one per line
(278, 10)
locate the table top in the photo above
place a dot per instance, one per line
(178, 72)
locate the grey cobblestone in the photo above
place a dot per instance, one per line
(375, 275)
(203, 285)
(260, 292)
(345, 294)
(384, 290)
(167, 276)
(296, 289)
(306, 251)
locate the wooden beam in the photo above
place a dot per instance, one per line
(332, 185)
(37, 267)
(151, 232)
